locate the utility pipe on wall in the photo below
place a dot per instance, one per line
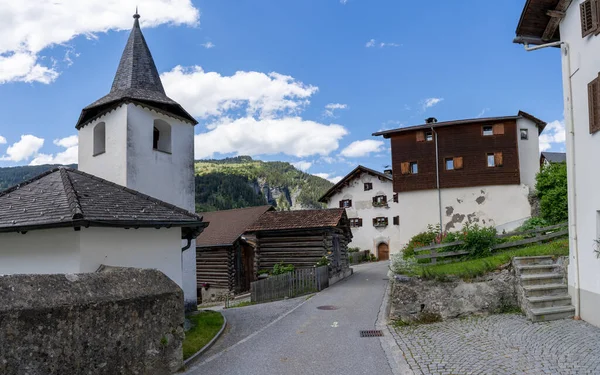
(437, 177)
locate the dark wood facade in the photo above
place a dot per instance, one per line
(464, 143)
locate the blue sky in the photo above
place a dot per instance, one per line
(305, 81)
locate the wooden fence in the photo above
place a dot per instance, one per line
(532, 236)
(292, 284)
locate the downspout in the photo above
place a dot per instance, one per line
(437, 177)
(189, 244)
(571, 182)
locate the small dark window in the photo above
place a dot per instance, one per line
(380, 222)
(155, 138)
(495, 159)
(395, 198)
(380, 201)
(356, 222)
(396, 220)
(488, 130)
(414, 167)
(428, 136)
(524, 134)
(491, 162)
(449, 164)
(346, 203)
(594, 105)
(368, 186)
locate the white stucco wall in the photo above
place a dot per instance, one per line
(40, 252)
(140, 248)
(584, 55)
(111, 165)
(369, 237)
(529, 152)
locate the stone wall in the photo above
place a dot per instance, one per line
(424, 300)
(120, 322)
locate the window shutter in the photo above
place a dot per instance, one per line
(458, 162)
(385, 199)
(498, 159)
(589, 17)
(386, 221)
(594, 105)
(421, 136)
(360, 222)
(498, 129)
(404, 167)
(396, 220)
(374, 221)
(396, 198)
(341, 204)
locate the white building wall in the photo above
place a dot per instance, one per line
(529, 152)
(369, 237)
(112, 164)
(584, 57)
(40, 252)
(140, 248)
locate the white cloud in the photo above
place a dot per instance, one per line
(483, 112)
(328, 176)
(335, 179)
(68, 156)
(373, 43)
(370, 43)
(362, 148)
(2, 140)
(332, 107)
(322, 175)
(249, 136)
(430, 102)
(303, 165)
(207, 94)
(27, 28)
(343, 2)
(24, 149)
(554, 135)
(208, 45)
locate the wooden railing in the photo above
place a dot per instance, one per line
(537, 236)
(291, 284)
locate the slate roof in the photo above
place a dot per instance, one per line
(555, 157)
(137, 80)
(301, 219)
(225, 227)
(350, 176)
(65, 197)
(522, 114)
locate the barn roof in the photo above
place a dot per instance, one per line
(301, 219)
(355, 172)
(522, 114)
(137, 80)
(555, 157)
(225, 227)
(65, 197)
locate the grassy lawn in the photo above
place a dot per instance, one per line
(478, 267)
(205, 325)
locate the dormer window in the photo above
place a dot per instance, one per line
(161, 136)
(99, 138)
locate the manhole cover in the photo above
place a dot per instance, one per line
(328, 307)
(371, 333)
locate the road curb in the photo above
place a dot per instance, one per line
(207, 346)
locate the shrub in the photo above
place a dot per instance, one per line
(325, 262)
(280, 268)
(551, 186)
(402, 266)
(532, 223)
(373, 258)
(479, 240)
(421, 240)
(353, 249)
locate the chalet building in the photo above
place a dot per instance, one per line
(372, 208)
(225, 253)
(303, 238)
(136, 157)
(574, 28)
(465, 171)
(552, 158)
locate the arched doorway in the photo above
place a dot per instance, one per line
(383, 251)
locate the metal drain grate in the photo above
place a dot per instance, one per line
(371, 333)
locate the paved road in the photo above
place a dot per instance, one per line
(299, 338)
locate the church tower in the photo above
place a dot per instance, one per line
(138, 137)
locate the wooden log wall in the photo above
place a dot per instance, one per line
(302, 249)
(212, 267)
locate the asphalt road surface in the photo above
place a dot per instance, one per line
(296, 337)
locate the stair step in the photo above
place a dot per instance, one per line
(534, 260)
(545, 290)
(541, 279)
(535, 269)
(552, 313)
(549, 301)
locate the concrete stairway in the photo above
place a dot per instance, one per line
(543, 291)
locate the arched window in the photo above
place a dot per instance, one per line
(99, 138)
(161, 136)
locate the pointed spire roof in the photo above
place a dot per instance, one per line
(137, 80)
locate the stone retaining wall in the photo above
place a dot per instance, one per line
(415, 300)
(120, 322)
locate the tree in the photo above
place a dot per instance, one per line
(551, 186)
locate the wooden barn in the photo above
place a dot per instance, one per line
(224, 256)
(302, 238)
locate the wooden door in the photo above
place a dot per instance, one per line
(383, 251)
(247, 271)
